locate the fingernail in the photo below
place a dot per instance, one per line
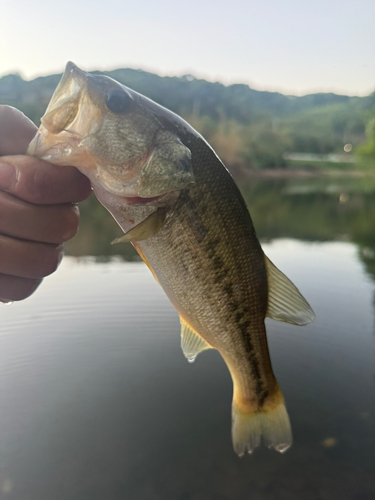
(8, 175)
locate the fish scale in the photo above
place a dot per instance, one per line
(231, 256)
(184, 214)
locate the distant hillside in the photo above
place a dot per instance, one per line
(186, 95)
(243, 124)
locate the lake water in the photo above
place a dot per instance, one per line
(98, 402)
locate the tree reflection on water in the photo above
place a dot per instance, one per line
(314, 209)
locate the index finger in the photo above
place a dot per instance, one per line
(40, 182)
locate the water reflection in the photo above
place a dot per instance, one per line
(320, 209)
(317, 209)
(313, 209)
(98, 402)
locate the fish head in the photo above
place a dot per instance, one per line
(113, 136)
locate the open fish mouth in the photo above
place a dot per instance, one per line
(45, 146)
(69, 118)
(107, 131)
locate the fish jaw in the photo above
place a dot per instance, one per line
(129, 153)
(70, 117)
(63, 150)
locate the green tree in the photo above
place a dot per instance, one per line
(367, 150)
(264, 146)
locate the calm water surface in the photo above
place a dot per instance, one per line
(98, 402)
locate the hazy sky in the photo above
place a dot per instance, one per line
(292, 46)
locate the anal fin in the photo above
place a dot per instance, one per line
(191, 342)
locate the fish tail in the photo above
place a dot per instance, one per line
(270, 422)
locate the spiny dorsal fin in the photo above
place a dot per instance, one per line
(191, 342)
(285, 303)
(148, 227)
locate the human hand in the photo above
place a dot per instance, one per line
(37, 211)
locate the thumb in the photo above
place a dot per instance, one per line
(16, 131)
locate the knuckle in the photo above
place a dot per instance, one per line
(51, 261)
(39, 185)
(70, 222)
(46, 261)
(35, 183)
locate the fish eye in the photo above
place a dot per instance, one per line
(118, 101)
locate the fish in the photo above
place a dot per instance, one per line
(179, 206)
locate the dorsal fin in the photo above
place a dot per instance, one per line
(285, 303)
(191, 342)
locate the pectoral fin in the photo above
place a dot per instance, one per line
(148, 227)
(191, 342)
(285, 303)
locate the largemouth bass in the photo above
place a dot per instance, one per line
(184, 214)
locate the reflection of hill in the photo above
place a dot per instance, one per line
(322, 212)
(312, 210)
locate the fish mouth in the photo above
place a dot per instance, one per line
(73, 117)
(155, 163)
(137, 200)
(45, 146)
(66, 148)
(62, 129)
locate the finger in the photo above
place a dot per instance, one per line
(16, 131)
(39, 182)
(15, 288)
(42, 223)
(28, 259)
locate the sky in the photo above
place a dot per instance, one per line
(290, 46)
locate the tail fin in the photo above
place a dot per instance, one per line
(271, 423)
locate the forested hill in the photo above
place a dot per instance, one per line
(187, 95)
(316, 123)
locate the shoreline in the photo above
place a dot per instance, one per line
(299, 173)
